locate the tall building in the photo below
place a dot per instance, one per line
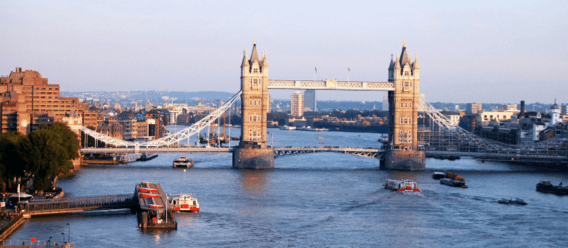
(385, 102)
(473, 108)
(310, 100)
(27, 99)
(297, 104)
(255, 99)
(404, 102)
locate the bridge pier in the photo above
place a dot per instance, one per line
(404, 160)
(251, 158)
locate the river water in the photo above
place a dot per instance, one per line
(321, 200)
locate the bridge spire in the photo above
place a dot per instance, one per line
(415, 65)
(245, 62)
(254, 54)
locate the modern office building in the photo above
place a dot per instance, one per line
(297, 104)
(310, 100)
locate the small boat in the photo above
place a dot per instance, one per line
(517, 201)
(547, 187)
(453, 182)
(146, 157)
(405, 185)
(288, 127)
(185, 203)
(183, 162)
(320, 137)
(438, 175)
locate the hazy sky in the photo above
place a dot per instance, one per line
(485, 51)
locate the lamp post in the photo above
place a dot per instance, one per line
(69, 233)
(63, 235)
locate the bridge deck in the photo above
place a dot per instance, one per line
(79, 204)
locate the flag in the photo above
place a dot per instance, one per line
(316, 69)
(348, 69)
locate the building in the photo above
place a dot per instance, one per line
(487, 116)
(310, 100)
(511, 107)
(26, 99)
(297, 104)
(473, 108)
(385, 102)
(254, 81)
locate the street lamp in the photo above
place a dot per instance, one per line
(69, 233)
(63, 235)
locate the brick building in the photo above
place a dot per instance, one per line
(27, 99)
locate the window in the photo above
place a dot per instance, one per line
(250, 103)
(406, 73)
(255, 70)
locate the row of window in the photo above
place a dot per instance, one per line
(254, 118)
(254, 135)
(47, 88)
(407, 84)
(406, 105)
(405, 137)
(255, 103)
(254, 84)
(405, 120)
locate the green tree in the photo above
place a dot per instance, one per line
(11, 156)
(48, 151)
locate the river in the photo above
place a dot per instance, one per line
(321, 200)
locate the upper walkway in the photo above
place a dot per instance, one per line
(79, 204)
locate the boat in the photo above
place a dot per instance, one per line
(320, 137)
(517, 201)
(183, 162)
(146, 157)
(184, 203)
(438, 175)
(547, 187)
(288, 127)
(405, 185)
(453, 182)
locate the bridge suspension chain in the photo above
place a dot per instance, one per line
(169, 139)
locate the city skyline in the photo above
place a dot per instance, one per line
(497, 53)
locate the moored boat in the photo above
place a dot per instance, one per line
(183, 162)
(547, 187)
(405, 185)
(453, 182)
(438, 175)
(517, 201)
(185, 203)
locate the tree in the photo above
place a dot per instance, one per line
(11, 157)
(48, 151)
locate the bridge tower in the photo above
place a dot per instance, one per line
(403, 153)
(253, 152)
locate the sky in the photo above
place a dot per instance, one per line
(469, 51)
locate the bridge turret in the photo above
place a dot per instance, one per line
(416, 67)
(245, 65)
(391, 69)
(403, 151)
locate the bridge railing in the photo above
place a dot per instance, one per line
(81, 203)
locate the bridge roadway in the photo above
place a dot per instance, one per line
(78, 204)
(278, 151)
(502, 156)
(366, 152)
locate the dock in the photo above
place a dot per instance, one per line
(154, 210)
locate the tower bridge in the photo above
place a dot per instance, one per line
(407, 143)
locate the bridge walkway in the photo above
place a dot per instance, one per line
(79, 204)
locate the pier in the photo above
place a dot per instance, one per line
(154, 210)
(78, 204)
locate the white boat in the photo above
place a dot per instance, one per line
(405, 185)
(185, 203)
(288, 127)
(183, 162)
